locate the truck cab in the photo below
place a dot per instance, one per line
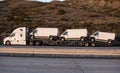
(17, 37)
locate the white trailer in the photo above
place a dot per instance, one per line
(44, 33)
(74, 34)
(103, 36)
(17, 37)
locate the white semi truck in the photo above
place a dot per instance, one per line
(51, 36)
(21, 36)
(17, 37)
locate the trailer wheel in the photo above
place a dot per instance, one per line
(86, 44)
(58, 42)
(7, 43)
(93, 44)
(31, 43)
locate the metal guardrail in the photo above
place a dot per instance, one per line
(58, 51)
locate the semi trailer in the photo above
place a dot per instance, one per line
(21, 36)
(51, 36)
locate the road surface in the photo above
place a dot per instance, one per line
(58, 65)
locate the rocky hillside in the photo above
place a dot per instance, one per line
(101, 15)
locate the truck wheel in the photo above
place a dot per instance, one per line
(31, 43)
(7, 43)
(37, 43)
(92, 39)
(58, 42)
(86, 44)
(93, 44)
(62, 39)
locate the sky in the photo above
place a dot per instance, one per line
(42, 0)
(47, 0)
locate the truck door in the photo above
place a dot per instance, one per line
(19, 40)
(21, 37)
(13, 38)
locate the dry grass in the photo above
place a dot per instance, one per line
(103, 15)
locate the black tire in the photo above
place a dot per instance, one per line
(76, 43)
(58, 42)
(7, 43)
(62, 39)
(92, 39)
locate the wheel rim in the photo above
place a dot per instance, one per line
(93, 45)
(92, 39)
(37, 43)
(86, 44)
(82, 39)
(8, 43)
(31, 43)
(50, 38)
(109, 42)
(62, 39)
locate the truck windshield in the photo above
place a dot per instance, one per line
(12, 35)
(34, 31)
(96, 34)
(65, 33)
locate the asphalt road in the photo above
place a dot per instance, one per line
(58, 65)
